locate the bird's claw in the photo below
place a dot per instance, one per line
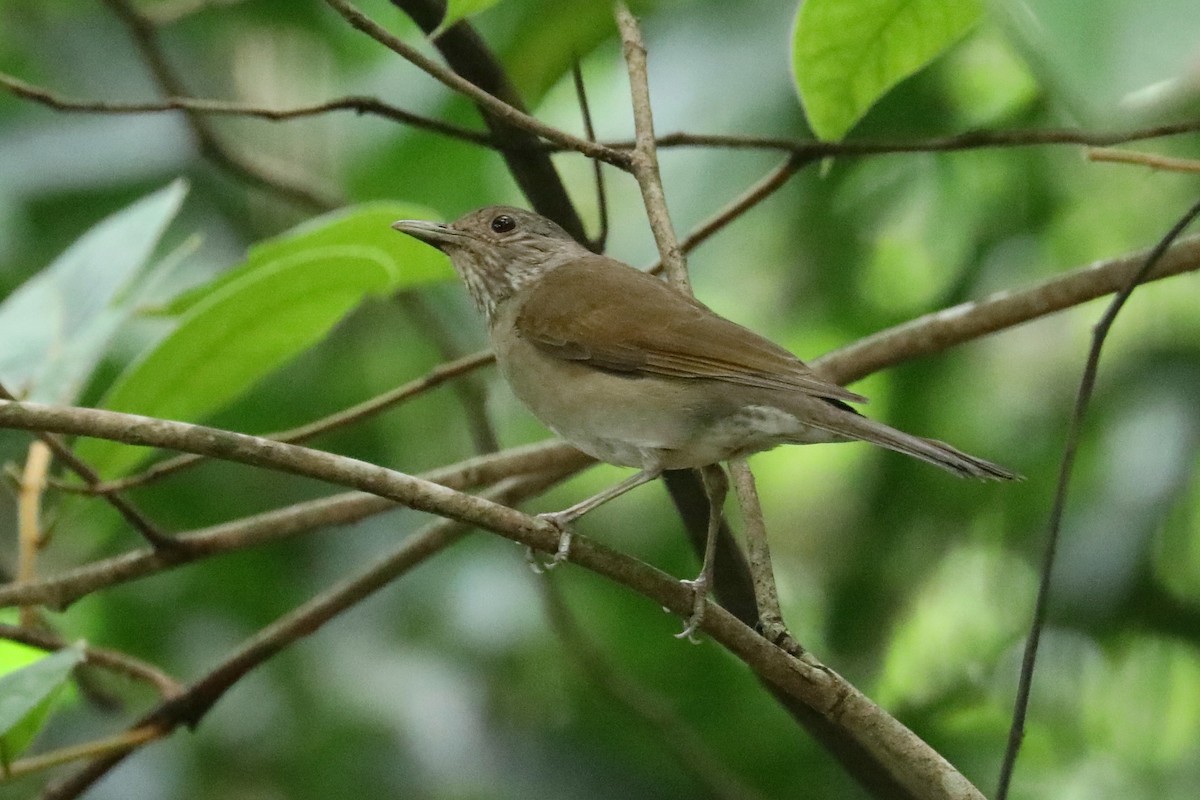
(699, 589)
(539, 565)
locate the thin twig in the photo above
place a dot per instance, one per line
(737, 207)
(344, 418)
(758, 553)
(1087, 385)
(121, 743)
(644, 163)
(457, 83)
(357, 104)
(598, 243)
(61, 590)
(971, 140)
(140, 523)
(29, 526)
(111, 660)
(190, 706)
(1151, 160)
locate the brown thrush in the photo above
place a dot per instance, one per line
(637, 374)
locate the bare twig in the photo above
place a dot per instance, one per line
(971, 140)
(122, 743)
(190, 706)
(1152, 160)
(1087, 384)
(737, 207)
(344, 418)
(29, 525)
(135, 518)
(644, 162)
(457, 83)
(770, 615)
(601, 239)
(356, 104)
(61, 590)
(111, 660)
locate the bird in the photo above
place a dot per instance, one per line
(636, 373)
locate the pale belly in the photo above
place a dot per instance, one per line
(647, 422)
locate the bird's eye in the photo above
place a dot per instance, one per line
(503, 223)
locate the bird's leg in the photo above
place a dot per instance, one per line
(563, 519)
(716, 486)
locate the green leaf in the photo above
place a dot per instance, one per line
(846, 55)
(287, 296)
(26, 695)
(57, 325)
(458, 10)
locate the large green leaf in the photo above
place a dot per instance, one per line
(846, 55)
(26, 695)
(57, 325)
(288, 294)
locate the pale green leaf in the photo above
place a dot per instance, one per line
(287, 296)
(846, 55)
(27, 693)
(56, 326)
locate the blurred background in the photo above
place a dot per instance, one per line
(917, 587)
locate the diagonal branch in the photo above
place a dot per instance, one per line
(457, 83)
(644, 162)
(1083, 398)
(912, 762)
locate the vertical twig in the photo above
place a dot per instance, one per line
(644, 157)
(770, 615)
(1087, 384)
(597, 244)
(29, 521)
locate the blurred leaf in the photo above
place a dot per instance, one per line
(289, 293)
(57, 325)
(27, 693)
(845, 56)
(458, 10)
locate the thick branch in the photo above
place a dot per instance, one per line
(912, 762)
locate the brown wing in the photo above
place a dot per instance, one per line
(612, 316)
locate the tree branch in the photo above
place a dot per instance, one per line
(912, 762)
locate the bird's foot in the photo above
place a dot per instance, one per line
(699, 589)
(563, 525)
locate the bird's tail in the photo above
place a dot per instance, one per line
(845, 421)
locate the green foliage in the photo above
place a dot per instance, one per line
(287, 295)
(57, 326)
(27, 694)
(846, 55)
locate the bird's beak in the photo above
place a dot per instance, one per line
(432, 233)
